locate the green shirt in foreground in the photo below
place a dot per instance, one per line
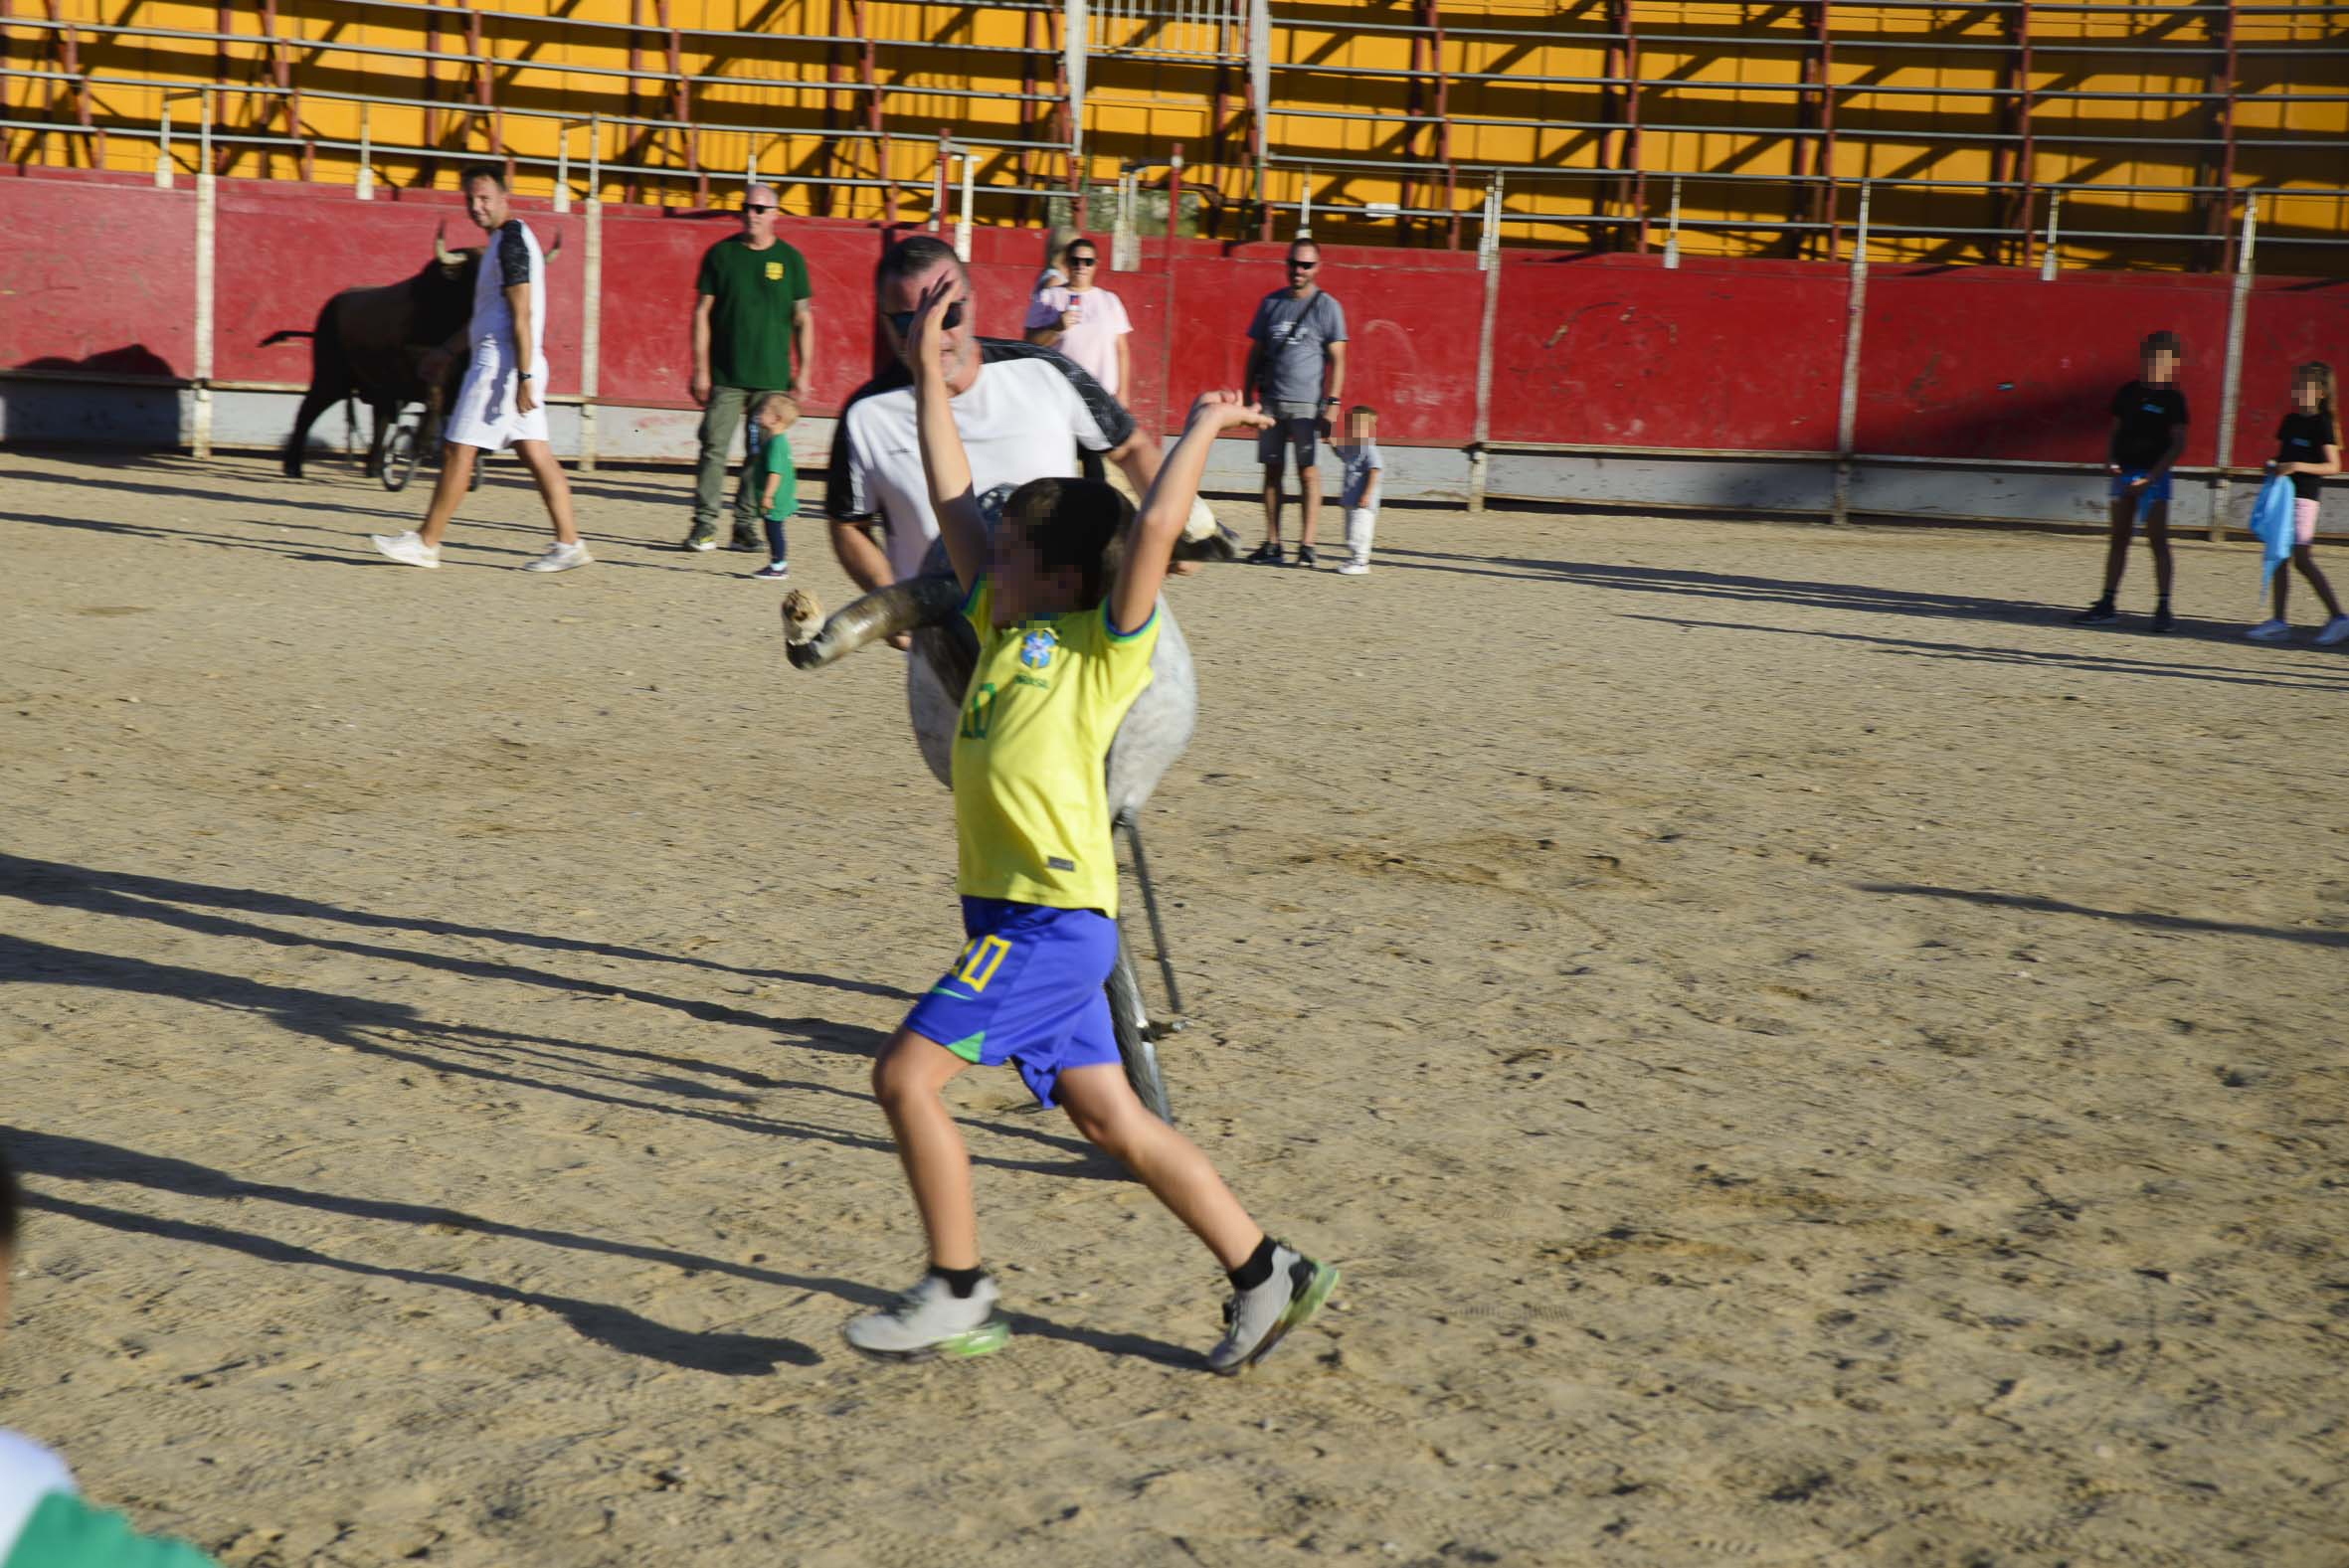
(757, 295)
(774, 456)
(43, 1523)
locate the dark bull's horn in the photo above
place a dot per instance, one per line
(883, 612)
(440, 252)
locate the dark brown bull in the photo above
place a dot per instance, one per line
(377, 345)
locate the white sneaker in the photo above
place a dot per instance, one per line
(408, 548)
(561, 558)
(2335, 631)
(1256, 1320)
(2271, 632)
(1353, 569)
(930, 1319)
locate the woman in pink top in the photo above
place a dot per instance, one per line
(1084, 323)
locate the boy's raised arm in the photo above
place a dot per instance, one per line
(1167, 507)
(944, 462)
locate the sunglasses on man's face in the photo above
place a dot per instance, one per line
(1081, 260)
(1303, 266)
(903, 320)
(756, 208)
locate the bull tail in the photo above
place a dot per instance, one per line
(286, 335)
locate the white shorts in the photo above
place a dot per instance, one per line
(484, 415)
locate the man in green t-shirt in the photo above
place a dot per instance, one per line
(751, 312)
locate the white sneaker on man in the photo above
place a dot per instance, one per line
(561, 558)
(2335, 631)
(408, 549)
(2271, 631)
(1353, 569)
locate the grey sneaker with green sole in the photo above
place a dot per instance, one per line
(1254, 1321)
(930, 1319)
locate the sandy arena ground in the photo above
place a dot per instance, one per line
(1802, 1055)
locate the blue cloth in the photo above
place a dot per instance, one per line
(2272, 525)
(2158, 490)
(1026, 989)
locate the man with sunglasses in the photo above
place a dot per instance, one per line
(751, 312)
(1087, 323)
(1297, 369)
(1023, 412)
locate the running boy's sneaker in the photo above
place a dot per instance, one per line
(2334, 630)
(772, 572)
(929, 1321)
(1265, 554)
(561, 558)
(1256, 1320)
(2271, 631)
(408, 548)
(2162, 618)
(2099, 613)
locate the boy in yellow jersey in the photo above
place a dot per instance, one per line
(1064, 649)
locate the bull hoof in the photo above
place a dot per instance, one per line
(802, 616)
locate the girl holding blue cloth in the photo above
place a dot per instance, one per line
(2308, 447)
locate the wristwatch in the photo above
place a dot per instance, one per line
(1329, 402)
(524, 375)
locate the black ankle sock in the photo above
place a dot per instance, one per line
(1256, 1270)
(959, 1281)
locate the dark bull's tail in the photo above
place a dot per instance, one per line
(287, 334)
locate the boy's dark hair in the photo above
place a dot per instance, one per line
(1079, 523)
(481, 171)
(911, 257)
(9, 1204)
(1364, 407)
(2155, 342)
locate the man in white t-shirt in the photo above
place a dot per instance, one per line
(1022, 413)
(503, 400)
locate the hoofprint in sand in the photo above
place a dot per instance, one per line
(1802, 1055)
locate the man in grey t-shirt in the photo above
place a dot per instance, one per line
(1297, 369)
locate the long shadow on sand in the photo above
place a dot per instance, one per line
(56, 882)
(2287, 679)
(82, 1159)
(2150, 920)
(395, 1032)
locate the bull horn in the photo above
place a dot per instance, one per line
(883, 612)
(441, 251)
(556, 249)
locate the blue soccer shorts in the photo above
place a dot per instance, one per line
(2158, 490)
(1025, 989)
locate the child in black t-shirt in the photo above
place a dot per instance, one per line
(2308, 447)
(2148, 434)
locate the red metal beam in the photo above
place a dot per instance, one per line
(2221, 206)
(484, 93)
(1443, 124)
(1812, 200)
(288, 96)
(2016, 160)
(870, 72)
(1630, 192)
(432, 91)
(69, 59)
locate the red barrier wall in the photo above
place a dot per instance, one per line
(1621, 352)
(98, 278)
(1990, 362)
(1609, 351)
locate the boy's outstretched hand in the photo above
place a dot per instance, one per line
(1226, 411)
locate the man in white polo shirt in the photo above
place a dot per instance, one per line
(1022, 413)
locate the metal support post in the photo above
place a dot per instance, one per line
(595, 183)
(962, 221)
(1075, 46)
(363, 186)
(2230, 378)
(207, 237)
(1260, 106)
(1174, 202)
(1304, 203)
(163, 149)
(1847, 418)
(2048, 252)
(591, 324)
(1671, 228)
(938, 183)
(1483, 430)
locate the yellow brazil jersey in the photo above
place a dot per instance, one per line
(1031, 802)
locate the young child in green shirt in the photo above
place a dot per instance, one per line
(778, 478)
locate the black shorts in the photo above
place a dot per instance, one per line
(1299, 432)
